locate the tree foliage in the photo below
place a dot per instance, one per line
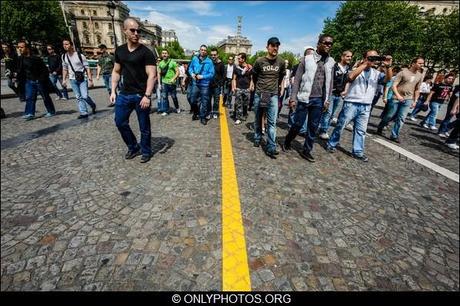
(174, 49)
(36, 21)
(396, 28)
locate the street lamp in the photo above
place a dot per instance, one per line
(112, 6)
(359, 20)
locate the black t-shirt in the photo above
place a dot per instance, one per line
(133, 67)
(242, 80)
(441, 92)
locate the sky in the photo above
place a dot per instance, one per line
(296, 23)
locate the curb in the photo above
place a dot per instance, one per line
(12, 95)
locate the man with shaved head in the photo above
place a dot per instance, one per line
(358, 101)
(137, 64)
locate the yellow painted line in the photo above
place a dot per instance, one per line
(235, 269)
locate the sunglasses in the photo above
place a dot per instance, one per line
(135, 30)
(327, 43)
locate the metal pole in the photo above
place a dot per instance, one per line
(114, 31)
(65, 20)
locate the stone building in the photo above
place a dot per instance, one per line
(91, 22)
(436, 7)
(168, 36)
(236, 44)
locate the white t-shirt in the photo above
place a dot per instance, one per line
(76, 63)
(181, 71)
(425, 88)
(229, 71)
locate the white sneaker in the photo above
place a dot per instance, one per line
(263, 131)
(64, 98)
(334, 120)
(447, 134)
(178, 110)
(349, 127)
(164, 114)
(238, 121)
(442, 135)
(214, 116)
(208, 117)
(433, 128)
(452, 146)
(324, 136)
(412, 119)
(385, 127)
(57, 99)
(426, 126)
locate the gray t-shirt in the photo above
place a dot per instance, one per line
(269, 72)
(317, 88)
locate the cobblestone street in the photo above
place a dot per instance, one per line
(75, 215)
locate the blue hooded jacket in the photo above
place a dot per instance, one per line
(207, 72)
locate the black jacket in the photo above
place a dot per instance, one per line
(55, 64)
(219, 75)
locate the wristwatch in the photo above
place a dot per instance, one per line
(148, 96)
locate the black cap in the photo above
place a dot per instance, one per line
(102, 46)
(273, 41)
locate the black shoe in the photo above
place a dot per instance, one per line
(94, 109)
(380, 132)
(131, 154)
(256, 144)
(363, 158)
(195, 117)
(331, 149)
(270, 154)
(82, 116)
(276, 152)
(203, 121)
(145, 158)
(285, 147)
(395, 139)
(307, 156)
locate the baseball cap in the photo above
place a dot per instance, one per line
(309, 47)
(273, 41)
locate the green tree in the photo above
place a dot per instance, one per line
(287, 55)
(36, 21)
(174, 49)
(258, 54)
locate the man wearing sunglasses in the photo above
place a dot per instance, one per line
(364, 81)
(137, 64)
(311, 93)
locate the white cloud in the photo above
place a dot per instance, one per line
(190, 35)
(254, 3)
(297, 45)
(266, 28)
(201, 8)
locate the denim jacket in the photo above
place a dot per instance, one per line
(207, 72)
(305, 75)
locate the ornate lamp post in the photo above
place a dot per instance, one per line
(112, 6)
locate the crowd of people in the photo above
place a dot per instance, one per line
(315, 90)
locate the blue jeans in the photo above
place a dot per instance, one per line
(418, 105)
(401, 110)
(214, 94)
(430, 119)
(358, 113)
(272, 114)
(329, 114)
(124, 105)
(107, 82)
(168, 89)
(81, 93)
(200, 92)
(54, 78)
(228, 92)
(32, 89)
(306, 113)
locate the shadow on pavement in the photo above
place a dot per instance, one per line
(440, 147)
(161, 145)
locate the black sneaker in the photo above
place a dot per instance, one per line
(395, 139)
(203, 121)
(363, 158)
(256, 144)
(145, 158)
(380, 132)
(270, 154)
(307, 156)
(285, 147)
(94, 109)
(131, 154)
(276, 152)
(331, 149)
(82, 116)
(195, 117)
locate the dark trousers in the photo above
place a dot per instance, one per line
(453, 137)
(124, 106)
(32, 89)
(311, 112)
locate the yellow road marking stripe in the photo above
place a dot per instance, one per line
(235, 269)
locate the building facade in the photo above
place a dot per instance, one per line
(436, 7)
(168, 36)
(91, 22)
(236, 44)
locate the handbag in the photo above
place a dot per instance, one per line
(79, 75)
(265, 98)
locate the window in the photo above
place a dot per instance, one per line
(82, 12)
(112, 41)
(85, 25)
(94, 13)
(96, 25)
(86, 38)
(110, 26)
(99, 39)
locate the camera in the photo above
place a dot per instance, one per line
(375, 58)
